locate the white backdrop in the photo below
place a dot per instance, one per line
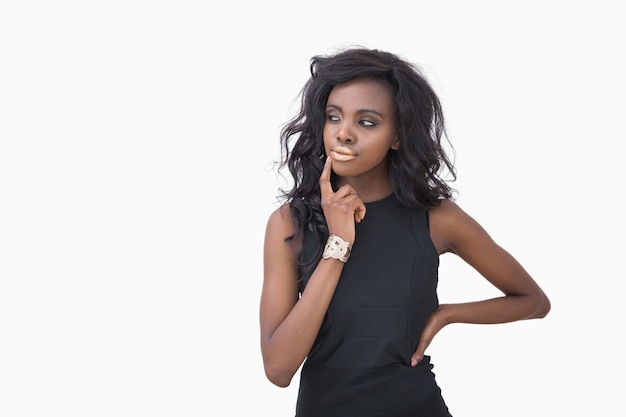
(136, 142)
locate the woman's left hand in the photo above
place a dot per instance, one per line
(434, 323)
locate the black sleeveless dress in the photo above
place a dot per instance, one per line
(360, 364)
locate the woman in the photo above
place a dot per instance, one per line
(351, 257)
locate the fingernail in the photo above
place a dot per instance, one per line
(413, 362)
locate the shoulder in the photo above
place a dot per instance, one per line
(281, 249)
(280, 226)
(281, 219)
(451, 226)
(446, 215)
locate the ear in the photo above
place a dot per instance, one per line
(395, 145)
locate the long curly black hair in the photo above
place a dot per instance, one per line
(416, 169)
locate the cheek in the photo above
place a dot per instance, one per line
(326, 135)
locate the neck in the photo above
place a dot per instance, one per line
(368, 190)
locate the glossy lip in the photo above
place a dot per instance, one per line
(342, 154)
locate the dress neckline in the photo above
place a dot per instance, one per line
(381, 202)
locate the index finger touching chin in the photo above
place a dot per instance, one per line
(325, 187)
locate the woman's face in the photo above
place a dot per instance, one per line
(360, 127)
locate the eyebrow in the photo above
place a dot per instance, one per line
(358, 111)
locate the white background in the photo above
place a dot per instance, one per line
(136, 149)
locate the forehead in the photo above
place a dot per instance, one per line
(361, 92)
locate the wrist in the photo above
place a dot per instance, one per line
(446, 314)
(337, 248)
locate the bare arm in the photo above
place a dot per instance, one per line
(290, 325)
(453, 230)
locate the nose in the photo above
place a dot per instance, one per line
(344, 134)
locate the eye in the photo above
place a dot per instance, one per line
(332, 118)
(367, 123)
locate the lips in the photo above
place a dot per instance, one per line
(342, 154)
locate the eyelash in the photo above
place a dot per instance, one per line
(365, 123)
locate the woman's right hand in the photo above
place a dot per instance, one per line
(341, 208)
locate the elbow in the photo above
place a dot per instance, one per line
(278, 369)
(278, 377)
(542, 307)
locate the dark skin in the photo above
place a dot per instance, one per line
(359, 132)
